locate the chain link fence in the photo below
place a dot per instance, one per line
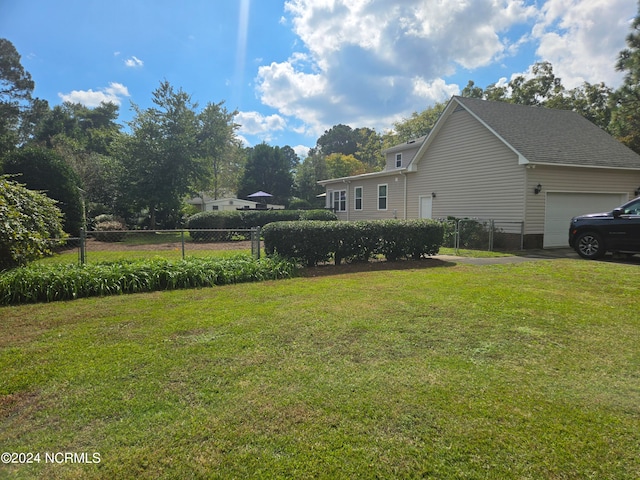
(464, 233)
(482, 234)
(134, 244)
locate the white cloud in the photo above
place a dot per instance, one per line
(302, 151)
(133, 62)
(373, 62)
(435, 91)
(113, 93)
(582, 38)
(254, 123)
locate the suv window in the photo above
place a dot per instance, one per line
(632, 209)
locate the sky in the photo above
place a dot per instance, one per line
(292, 69)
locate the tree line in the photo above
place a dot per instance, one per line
(91, 165)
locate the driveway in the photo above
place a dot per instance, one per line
(529, 255)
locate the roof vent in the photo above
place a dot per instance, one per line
(411, 141)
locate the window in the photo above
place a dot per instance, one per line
(632, 209)
(398, 160)
(382, 197)
(358, 198)
(339, 200)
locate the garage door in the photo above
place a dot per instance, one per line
(560, 207)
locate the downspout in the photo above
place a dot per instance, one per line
(348, 182)
(404, 174)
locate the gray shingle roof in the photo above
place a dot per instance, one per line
(552, 136)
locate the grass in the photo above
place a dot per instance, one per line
(473, 253)
(506, 371)
(103, 256)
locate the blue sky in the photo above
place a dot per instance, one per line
(295, 68)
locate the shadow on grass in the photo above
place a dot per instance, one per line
(372, 266)
(551, 253)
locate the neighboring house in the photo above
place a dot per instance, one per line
(525, 167)
(207, 204)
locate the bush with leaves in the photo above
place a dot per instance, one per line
(311, 242)
(110, 231)
(245, 219)
(31, 223)
(43, 169)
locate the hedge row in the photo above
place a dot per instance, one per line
(245, 219)
(317, 241)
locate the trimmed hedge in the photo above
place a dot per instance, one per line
(312, 242)
(245, 219)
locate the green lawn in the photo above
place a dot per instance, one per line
(523, 371)
(70, 257)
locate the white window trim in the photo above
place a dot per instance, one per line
(339, 194)
(398, 160)
(356, 198)
(386, 197)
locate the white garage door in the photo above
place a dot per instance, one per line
(560, 207)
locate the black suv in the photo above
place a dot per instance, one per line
(598, 233)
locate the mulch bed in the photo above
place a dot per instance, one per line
(371, 266)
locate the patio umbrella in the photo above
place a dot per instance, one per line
(260, 195)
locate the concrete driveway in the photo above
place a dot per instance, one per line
(530, 255)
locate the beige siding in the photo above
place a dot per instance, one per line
(408, 155)
(395, 197)
(572, 179)
(472, 173)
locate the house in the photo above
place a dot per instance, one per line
(207, 204)
(528, 168)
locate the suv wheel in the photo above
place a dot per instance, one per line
(589, 245)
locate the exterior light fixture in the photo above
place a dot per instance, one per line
(537, 189)
(637, 192)
(433, 194)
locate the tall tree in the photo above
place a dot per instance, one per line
(417, 125)
(161, 155)
(369, 149)
(217, 143)
(544, 89)
(626, 100)
(312, 169)
(338, 139)
(267, 169)
(16, 87)
(340, 165)
(84, 137)
(291, 158)
(471, 91)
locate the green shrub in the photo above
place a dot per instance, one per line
(325, 215)
(43, 169)
(109, 231)
(47, 283)
(304, 241)
(246, 219)
(311, 242)
(31, 222)
(410, 238)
